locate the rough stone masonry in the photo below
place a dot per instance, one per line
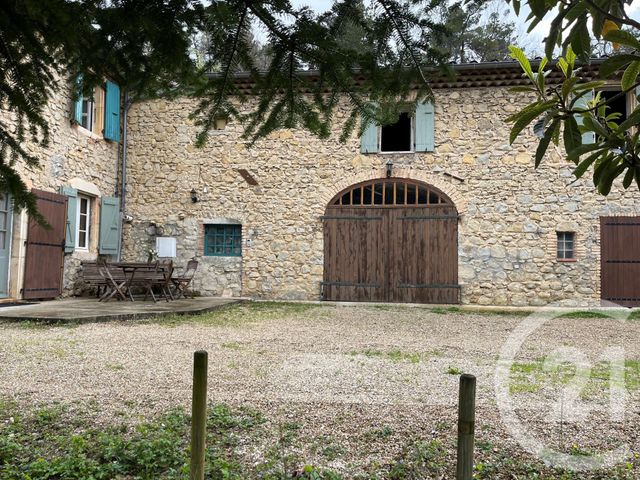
(509, 211)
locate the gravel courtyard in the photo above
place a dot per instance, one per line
(366, 381)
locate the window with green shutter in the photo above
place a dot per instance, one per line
(222, 240)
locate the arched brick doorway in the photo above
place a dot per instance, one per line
(391, 240)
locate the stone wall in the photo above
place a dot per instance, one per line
(74, 157)
(509, 211)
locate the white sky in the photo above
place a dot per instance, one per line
(532, 42)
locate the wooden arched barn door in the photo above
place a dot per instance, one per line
(391, 240)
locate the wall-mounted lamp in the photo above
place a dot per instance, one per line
(194, 195)
(389, 166)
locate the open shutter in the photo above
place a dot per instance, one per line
(425, 126)
(109, 225)
(77, 105)
(72, 218)
(369, 139)
(112, 112)
(582, 102)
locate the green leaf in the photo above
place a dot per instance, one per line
(580, 38)
(567, 85)
(571, 57)
(538, 7)
(589, 85)
(623, 37)
(617, 62)
(526, 116)
(630, 75)
(522, 59)
(564, 66)
(575, 154)
(632, 120)
(584, 165)
(628, 178)
(544, 142)
(572, 137)
(609, 174)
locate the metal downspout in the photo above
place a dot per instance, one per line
(123, 169)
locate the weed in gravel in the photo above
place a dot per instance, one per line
(232, 345)
(420, 460)
(454, 371)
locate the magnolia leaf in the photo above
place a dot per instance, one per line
(572, 137)
(628, 178)
(538, 127)
(575, 154)
(617, 62)
(584, 165)
(544, 143)
(526, 116)
(630, 75)
(623, 37)
(518, 54)
(609, 174)
(632, 120)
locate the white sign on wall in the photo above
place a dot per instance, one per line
(166, 247)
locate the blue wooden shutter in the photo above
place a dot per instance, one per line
(109, 225)
(112, 112)
(369, 139)
(425, 127)
(77, 104)
(72, 218)
(582, 102)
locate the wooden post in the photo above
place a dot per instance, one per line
(198, 415)
(466, 426)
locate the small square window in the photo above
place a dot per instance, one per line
(223, 240)
(566, 246)
(398, 137)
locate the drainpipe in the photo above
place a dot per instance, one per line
(123, 169)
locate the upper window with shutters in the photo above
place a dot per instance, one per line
(100, 112)
(413, 132)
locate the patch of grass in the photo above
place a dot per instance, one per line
(233, 345)
(115, 366)
(454, 371)
(393, 355)
(585, 314)
(635, 315)
(420, 460)
(381, 433)
(244, 313)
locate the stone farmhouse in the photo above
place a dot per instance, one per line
(437, 208)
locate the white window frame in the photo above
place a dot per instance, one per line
(412, 140)
(561, 246)
(84, 248)
(91, 111)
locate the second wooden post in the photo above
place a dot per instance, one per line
(466, 426)
(198, 415)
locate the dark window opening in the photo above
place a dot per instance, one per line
(615, 105)
(389, 192)
(566, 245)
(397, 136)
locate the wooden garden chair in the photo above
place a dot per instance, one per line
(181, 283)
(159, 277)
(115, 286)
